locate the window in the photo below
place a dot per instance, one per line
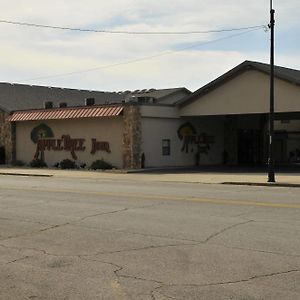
(166, 147)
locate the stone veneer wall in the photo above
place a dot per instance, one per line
(132, 137)
(7, 138)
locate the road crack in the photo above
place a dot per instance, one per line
(138, 278)
(188, 243)
(33, 232)
(225, 229)
(158, 236)
(76, 221)
(166, 285)
(145, 248)
(63, 224)
(256, 250)
(25, 221)
(100, 214)
(18, 259)
(237, 281)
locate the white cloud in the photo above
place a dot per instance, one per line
(28, 52)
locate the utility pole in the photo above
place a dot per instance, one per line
(271, 171)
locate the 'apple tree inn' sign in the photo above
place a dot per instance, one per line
(190, 139)
(43, 137)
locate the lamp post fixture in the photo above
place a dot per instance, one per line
(271, 172)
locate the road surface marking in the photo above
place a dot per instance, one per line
(160, 197)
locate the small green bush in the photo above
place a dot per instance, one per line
(101, 164)
(67, 164)
(56, 165)
(38, 163)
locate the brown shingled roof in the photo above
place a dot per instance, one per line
(23, 97)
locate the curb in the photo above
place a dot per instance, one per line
(26, 174)
(294, 185)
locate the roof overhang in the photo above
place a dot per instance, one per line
(66, 113)
(289, 75)
(246, 93)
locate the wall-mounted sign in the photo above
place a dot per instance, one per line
(190, 139)
(42, 136)
(65, 143)
(99, 146)
(41, 131)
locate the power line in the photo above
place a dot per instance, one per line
(143, 58)
(130, 32)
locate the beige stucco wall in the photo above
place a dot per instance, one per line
(159, 111)
(103, 129)
(244, 94)
(154, 130)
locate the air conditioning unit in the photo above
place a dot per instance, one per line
(131, 99)
(48, 104)
(89, 101)
(62, 104)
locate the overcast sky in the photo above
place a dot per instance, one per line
(27, 53)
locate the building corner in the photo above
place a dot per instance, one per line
(132, 137)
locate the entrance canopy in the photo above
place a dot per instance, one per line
(245, 90)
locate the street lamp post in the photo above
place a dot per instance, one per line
(271, 172)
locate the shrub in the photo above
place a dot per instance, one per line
(38, 163)
(67, 164)
(56, 165)
(101, 164)
(18, 163)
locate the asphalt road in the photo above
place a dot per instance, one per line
(68, 238)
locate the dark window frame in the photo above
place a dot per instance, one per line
(166, 147)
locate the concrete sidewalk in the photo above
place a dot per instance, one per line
(171, 175)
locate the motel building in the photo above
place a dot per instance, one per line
(224, 122)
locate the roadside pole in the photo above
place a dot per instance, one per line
(271, 171)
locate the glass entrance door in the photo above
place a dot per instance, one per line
(249, 146)
(2, 155)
